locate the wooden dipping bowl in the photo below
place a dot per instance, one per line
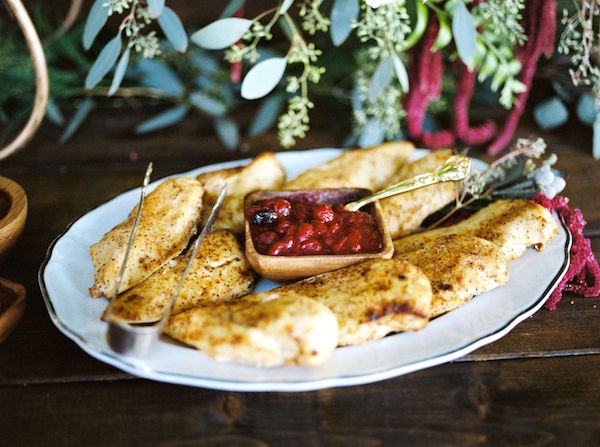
(13, 222)
(288, 268)
(12, 306)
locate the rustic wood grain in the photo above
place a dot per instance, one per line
(526, 402)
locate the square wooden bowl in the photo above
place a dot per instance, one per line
(288, 268)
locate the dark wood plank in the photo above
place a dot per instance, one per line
(526, 402)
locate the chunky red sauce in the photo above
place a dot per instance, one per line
(290, 226)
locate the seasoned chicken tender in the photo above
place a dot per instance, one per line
(170, 216)
(219, 274)
(370, 300)
(459, 268)
(263, 172)
(369, 168)
(259, 331)
(404, 213)
(513, 225)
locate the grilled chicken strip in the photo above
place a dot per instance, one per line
(404, 213)
(459, 268)
(263, 172)
(169, 218)
(219, 274)
(369, 168)
(301, 323)
(513, 225)
(262, 330)
(370, 300)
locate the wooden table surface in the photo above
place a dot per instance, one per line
(539, 385)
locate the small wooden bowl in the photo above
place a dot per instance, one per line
(12, 224)
(12, 305)
(288, 268)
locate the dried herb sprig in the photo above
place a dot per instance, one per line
(514, 175)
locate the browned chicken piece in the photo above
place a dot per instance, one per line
(169, 218)
(513, 225)
(301, 323)
(459, 268)
(370, 300)
(404, 213)
(263, 172)
(369, 168)
(219, 274)
(260, 331)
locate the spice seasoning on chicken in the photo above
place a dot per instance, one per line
(294, 227)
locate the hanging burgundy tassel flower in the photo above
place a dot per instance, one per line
(462, 100)
(426, 73)
(540, 29)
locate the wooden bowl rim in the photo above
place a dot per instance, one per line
(10, 317)
(18, 200)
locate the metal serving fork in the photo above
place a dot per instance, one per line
(137, 340)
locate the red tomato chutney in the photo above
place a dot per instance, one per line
(304, 224)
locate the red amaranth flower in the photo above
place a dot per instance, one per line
(462, 100)
(583, 274)
(426, 74)
(541, 30)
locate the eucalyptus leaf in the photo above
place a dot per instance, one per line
(77, 119)
(381, 78)
(422, 11)
(551, 113)
(221, 33)
(444, 35)
(489, 66)
(204, 61)
(350, 140)
(157, 74)
(357, 104)
(266, 115)
(371, 134)
(285, 27)
(587, 109)
(343, 14)
(164, 119)
(156, 7)
(228, 133)
(207, 104)
(54, 114)
(105, 61)
(285, 5)
(401, 72)
(500, 77)
(96, 19)
(429, 123)
(231, 8)
(480, 52)
(263, 77)
(465, 34)
(119, 72)
(173, 29)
